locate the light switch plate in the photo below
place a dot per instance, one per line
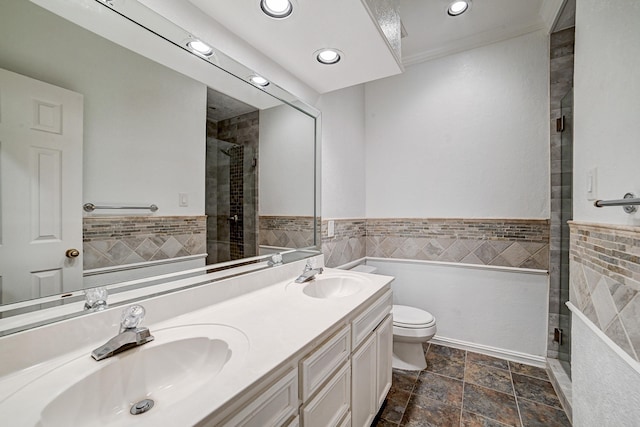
(331, 228)
(183, 200)
(592, 184)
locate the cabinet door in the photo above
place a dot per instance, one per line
(384, 335)
(331, 404)
(364, 397)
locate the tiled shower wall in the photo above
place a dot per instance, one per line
(561, 82)
(499, 242)
(232, 187)
(112, 241)
(605, 280)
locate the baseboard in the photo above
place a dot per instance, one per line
(514, 356)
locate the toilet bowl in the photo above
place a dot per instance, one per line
(411, 328)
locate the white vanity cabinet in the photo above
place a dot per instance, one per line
(328, 370)
(371, 362)
(340, 380)
(276, 406)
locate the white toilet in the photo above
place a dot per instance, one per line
(411, 328)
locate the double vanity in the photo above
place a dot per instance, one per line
(256, 350)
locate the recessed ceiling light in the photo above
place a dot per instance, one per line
(200, 47)
(259, 80)
(458, 7)
(276, 8)
(328, 56)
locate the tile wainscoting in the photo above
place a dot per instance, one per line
(520, 243)
(286, 231)
(347, 244)
(605, 280)
(112, 241)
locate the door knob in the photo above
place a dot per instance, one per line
(72, 253)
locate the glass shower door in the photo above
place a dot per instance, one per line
(564, 349)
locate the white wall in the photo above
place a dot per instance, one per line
(462, 136)
(286, 159)
(503, 310)
(144, 126)
(343, 153)
(606, 384)
(607, 106)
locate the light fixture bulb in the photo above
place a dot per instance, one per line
(458, 8)
(200, 47)
(276, 8)
(259, 80)
(328, 56)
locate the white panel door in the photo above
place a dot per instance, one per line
(40, 188)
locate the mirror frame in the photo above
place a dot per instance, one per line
(88, 15)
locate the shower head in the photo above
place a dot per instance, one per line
(226, 152)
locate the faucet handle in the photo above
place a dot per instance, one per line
(132, 317)
(308, 266)
(96, 298)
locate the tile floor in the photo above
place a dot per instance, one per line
(464, 389)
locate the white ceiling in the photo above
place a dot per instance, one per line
(348, 25)
(291, 42)
(432, 33)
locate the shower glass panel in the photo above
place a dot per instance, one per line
(564, 349)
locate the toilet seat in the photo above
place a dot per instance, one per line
(411, 317)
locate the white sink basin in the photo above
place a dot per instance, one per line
(333, 287)
(169, 370)
(330, 286)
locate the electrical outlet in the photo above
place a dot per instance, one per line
(331, 228)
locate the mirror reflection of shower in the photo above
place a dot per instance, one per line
(231, 202)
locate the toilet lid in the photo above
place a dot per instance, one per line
(411, 317)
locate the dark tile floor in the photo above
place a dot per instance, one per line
(464, 389)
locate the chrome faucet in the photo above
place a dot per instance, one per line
(130, 334)
(309, 273)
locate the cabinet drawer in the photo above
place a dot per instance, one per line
(273, 407)
(332, 402)
(367, 321)
(322, 362)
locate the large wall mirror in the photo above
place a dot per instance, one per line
(118, 166)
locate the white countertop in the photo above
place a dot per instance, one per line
(277, 320)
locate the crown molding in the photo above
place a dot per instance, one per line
(472, 42)
(550, 11)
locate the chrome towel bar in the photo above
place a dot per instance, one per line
(628, 203)
(90, 207)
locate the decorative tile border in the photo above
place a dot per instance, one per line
(111, 241)
(286, 231)
(347, 244)
(522, 243)
(605, 280)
